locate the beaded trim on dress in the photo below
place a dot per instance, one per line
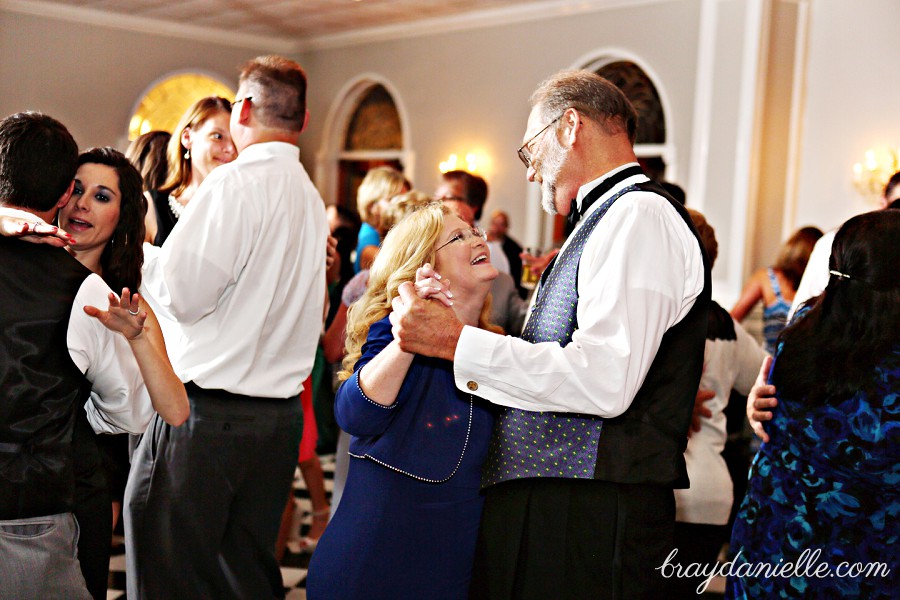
(425, 479)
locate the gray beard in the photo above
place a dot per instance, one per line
(554, 157)
(548, 193)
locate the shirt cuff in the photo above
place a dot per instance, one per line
(470, 364)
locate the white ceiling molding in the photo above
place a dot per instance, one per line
(52, 10)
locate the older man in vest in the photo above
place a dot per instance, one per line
(597, 394)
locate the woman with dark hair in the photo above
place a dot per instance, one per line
(148, 154)
(102, 226)
(105, 218)
(775, 286)
(200, 143)
(823, 488)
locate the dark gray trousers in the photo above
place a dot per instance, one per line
(204, 500)
(578, 539)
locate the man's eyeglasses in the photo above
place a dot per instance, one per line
(465, 235)
(524, 151)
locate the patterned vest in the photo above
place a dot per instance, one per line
(548, 444)
(645, 444)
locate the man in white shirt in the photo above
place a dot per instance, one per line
(600, 390)
(52, 354)
(242, 277)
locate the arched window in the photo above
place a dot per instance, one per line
(167, 100)
(365, 128)
(374, 138)
(632, 80)
(651, 131)
(375, 124)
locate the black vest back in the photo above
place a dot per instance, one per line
(646, 443)
(41, 388)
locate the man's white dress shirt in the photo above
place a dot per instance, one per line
(639, 274)
(815, 276)
(727, 365)
(498, 258)
(239, 285)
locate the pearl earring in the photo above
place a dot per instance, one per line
(187, 155)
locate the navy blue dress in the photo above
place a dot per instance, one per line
(408, 520)
(827, 485)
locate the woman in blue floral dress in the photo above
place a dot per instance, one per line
(823, 493)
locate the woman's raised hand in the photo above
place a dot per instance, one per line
(429, 284)
(124, 315)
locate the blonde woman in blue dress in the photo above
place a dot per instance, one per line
(408, 521)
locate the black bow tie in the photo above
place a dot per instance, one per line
(595, 194)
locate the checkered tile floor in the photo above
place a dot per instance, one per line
(294, 563)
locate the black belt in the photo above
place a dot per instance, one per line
(194, 389)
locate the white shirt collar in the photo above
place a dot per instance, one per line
(268, 149)
(586, 188)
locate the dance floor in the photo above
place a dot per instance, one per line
(294, 563)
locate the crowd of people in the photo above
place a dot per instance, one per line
(491, 442)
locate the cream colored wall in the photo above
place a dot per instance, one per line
(852, 103)
(773, 157)
(469, 90)
(90, 77)
(731, 81)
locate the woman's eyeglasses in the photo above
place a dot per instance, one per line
(465, 235)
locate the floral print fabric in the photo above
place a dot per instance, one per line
(826, 484)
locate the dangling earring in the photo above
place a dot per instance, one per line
(187, 155)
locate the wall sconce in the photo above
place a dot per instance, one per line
(871, 175)
(452, 163)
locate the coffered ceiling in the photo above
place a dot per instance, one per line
(299, 24)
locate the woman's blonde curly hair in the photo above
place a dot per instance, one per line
(409, 245)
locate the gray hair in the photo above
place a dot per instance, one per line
(591, 95)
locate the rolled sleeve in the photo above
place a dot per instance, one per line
(119, 400)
